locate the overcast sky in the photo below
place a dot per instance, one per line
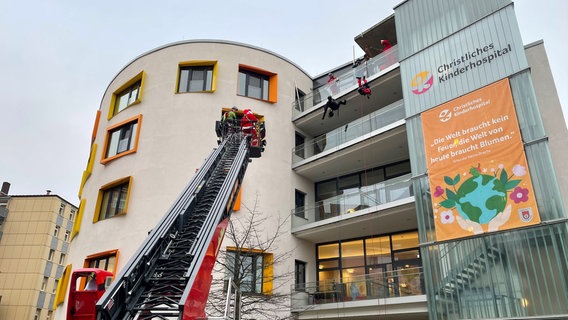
(57, 58)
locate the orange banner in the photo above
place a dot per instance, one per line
(477, 168)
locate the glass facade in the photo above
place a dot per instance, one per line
(374, 267)
(504, 274)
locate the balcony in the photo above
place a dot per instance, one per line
(354, 202)
(353, 132)
(347, 81)
(396, 293)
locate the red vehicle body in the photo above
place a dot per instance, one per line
(86, 287)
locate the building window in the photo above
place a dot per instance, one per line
(299, 100)
(390, 264)
(122, 139)
(300, 275)
(62, 258)
(51, 254)
(56, 231)
(257, 83)
(127, 95)
(104, 260)
(71, 215)
(113, 199)
(300, 203)
(195, 79)
(361, 180)
(37, 314)
(61, 209)
(249, 269)
(67, 235)
(44, 283)
(55, 284)
(300, 145)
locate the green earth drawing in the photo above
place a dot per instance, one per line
(479, 198)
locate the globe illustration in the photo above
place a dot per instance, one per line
(480, 198)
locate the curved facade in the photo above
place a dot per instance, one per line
(171, 133)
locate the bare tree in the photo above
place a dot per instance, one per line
(251, 256)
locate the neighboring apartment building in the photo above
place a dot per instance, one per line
(34, 242)
(390, 213)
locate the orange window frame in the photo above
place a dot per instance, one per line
(138, 119)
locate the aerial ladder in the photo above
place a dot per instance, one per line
(169, 276)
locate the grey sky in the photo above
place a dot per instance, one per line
(57, 57)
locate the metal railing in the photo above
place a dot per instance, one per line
(346, 80)
(232, 303)
(390, 284)
(353, 130)
(354, 200)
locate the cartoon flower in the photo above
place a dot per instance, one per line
(447, 217)
(519, 195)
(519, 170)
(438, 192)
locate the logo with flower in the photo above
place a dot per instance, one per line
(482, 199)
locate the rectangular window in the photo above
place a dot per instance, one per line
(127, 97)
(257, 83)
(62, 258)
(105, 260)
(130, 93)
(253, 85)
(61, 209)
(246, 268)
(44, 283)
(71, 214)
(113, 199)
(67, 235)
(56, 231)
(300, 203)
(300, 275)
(122, 139)
(195, 79)
(51, 254)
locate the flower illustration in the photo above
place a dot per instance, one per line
(519, 170)
(447, 217)
(438, 192)
(519, 195)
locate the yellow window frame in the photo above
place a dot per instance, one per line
(139, 77)
(198, 63)
(127, 180)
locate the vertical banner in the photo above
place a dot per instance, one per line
(477, 168)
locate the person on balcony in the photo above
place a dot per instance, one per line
(333, 105)
(389, 56)
(364, 88)
(333, 83)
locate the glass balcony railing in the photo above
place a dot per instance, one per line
(389, 284)
(353, 130)
(346, 81)
(353, 200)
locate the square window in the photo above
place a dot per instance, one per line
(195, 79)
(113, 199)
(122, 139)
(256, 83)
(127, 95)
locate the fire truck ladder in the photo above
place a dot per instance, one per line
(156, 282)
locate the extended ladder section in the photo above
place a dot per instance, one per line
(161, 279)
